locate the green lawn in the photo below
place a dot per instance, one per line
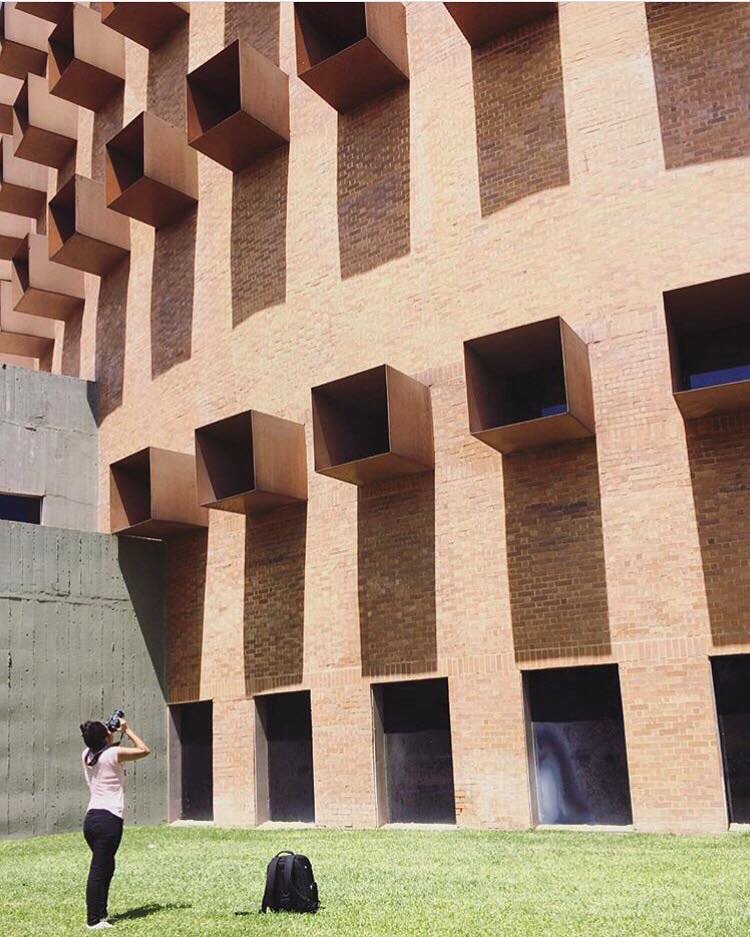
(194, 881)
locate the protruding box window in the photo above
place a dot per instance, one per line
(148, 24)
(413, 752)
(23, 185)
(13, 229)
(708, 327)
(83, 233)
(251, 462)
(350, 53)
(86, 59)
(45, 128)
(371, 426)
(483, 22)
(22, 334)
(237, 106)
(577, 735)
(284, 758)
(529, 386)
(41, 287)
(23, 42)
(152, 494)
(151, 172)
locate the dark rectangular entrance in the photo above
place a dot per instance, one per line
(413, 752)
(21, 508)
(191, 762)
(732, 688)
(580, 769)
(284, 757)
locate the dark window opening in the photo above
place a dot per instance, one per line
(27, 510)
(413, 752)
(325, 29)
(709, 333)
(535, 394)
(192, 761)
(731, 677)
(284, 756)
(719, 357)
(353, 417)
(578, 739)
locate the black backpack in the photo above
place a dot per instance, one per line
(290, 884)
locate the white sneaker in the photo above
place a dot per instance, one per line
(102, 925)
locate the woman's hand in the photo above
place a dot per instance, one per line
(123, 727)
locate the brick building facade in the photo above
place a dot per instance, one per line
(583, 165)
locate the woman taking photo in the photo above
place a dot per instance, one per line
(103, 770)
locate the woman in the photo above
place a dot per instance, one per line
(102, 828)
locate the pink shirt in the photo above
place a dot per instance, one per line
(106, 782)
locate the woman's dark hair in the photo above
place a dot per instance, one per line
(95, 736)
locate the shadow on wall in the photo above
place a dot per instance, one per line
(274, 609)
(71, 346)
(555, 546)
(256, 23)
(168, 65)
(172, 291)
(107, 123)
(111, 319)
(186, 600)
(719, 455)
(522, 146)
(373, 183)
(258, 255)
(396, 575)
(699, 54)
(144, 580)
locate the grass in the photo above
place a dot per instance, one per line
(391, 883)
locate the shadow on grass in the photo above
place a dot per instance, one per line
(146, 910)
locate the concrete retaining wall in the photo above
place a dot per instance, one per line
(81, 633)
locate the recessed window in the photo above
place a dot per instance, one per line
(26, 510)
(413, 752)
(284, 757)
(191, 760)
(732, 688)
(578, 738)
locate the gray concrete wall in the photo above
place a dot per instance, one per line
(48, 444)
(81, 633)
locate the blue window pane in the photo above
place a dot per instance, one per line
(721, 376)
(554, 408)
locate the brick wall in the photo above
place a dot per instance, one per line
(520, 113)
(396, 249)
(700, 53)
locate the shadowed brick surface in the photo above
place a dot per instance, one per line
(719, 453)
(520, 113)
(701, 53)
(558, 590)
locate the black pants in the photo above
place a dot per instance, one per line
(103, 832)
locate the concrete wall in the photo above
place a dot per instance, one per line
(81, 633)
(48, 444)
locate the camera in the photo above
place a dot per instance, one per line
(113, 723)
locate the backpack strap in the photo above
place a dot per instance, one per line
(270, 883)
(287, 883)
